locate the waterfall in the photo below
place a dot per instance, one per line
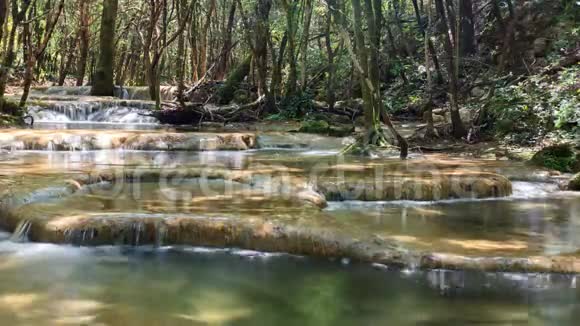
(160, 234)
(79, 237)
(21, 232)
(104, 111)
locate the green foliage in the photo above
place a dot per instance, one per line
(558, 157)
(10, 113)
(537, 106)
(293, 107)
(228, 91)
(574, 183)
(315, 127)
(10, 107)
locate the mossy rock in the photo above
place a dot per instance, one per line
(341, 131)
(559, 157)
(10, 107)
(315, 127)
(242, 96)
(574, 183)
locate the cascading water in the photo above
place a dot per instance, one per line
(21, 232)
(99, 111)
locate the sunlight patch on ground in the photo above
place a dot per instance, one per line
(488, 245)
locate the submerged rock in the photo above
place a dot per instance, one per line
(412, 181)
(268, 236)
(315, 127)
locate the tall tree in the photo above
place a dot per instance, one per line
(84, 39)
(467, 28)
(3, 15)
(291, 9)
(260, 49)
(33, 51)
(155, 43)
(304, 42)
(459, 130)
(367, 65)
(224, 58)
(103, 77)
(18, 16)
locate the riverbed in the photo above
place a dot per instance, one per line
(111, 219)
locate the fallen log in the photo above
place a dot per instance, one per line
(176, 113)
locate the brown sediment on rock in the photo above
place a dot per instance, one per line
(69, 140)
(411, 182)
(244, 233)
(533, 264)
(350, 184)
(269, 236)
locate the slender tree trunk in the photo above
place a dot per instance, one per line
(428, 108)
(277, 70)
(304, 42)
(181, 53)
(30, 60)
(261, 50)
(457, 125)
(467, 28)
(330, 93)
(202, 61)
(18, 15)
(84, 40)
(291, 9)
(3, 16)
(67, 61)
(430, 47)
(103, 78)
(34, 52)
(222, 67)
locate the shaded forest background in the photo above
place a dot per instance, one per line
(468, 68)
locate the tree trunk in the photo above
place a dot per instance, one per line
(467, 28)
(84, 41)
(202, 61)
(67, 61)
(18, 15)
(34, 52)
(30, 61)
(291, 31)
(457, 125)
(304, 42)
(430, 47)
(103, 78)
(3, 16)
(277, 70)
(428, 108)
(330, 94)
(261, 50)
(222, 67)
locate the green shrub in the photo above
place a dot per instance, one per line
(315, 127)
(558, 157)
(574, 183)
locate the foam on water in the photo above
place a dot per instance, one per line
(102, 111)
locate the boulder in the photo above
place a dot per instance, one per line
(560, 157)
(574, 183)
(315, 127)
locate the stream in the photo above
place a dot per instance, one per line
(112, 219)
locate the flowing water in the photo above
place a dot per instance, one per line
(45, 284)
(129, 254)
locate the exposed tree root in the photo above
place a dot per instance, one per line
(176, 113)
